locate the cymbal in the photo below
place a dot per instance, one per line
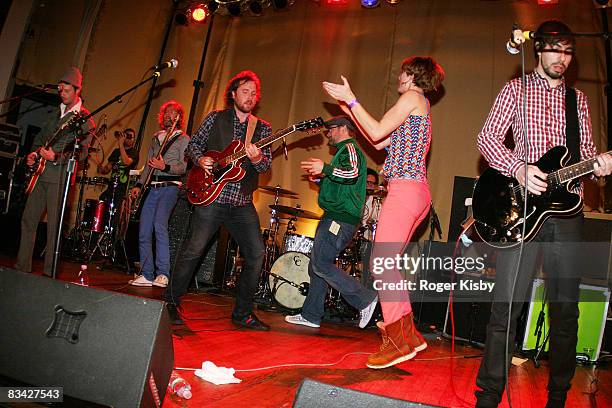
(278, 190)
(377, 191)
(295, 211)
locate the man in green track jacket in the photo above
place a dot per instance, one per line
(341, 196)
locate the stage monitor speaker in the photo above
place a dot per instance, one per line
(100, 346)
(314, 394)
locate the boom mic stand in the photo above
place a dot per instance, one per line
(76, 129)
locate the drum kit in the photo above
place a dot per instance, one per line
(100, 224)
(284, 279)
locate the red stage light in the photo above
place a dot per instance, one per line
(336, 2)
(199, 13)
(546, 2)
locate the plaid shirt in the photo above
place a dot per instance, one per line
(198, 145)
(545, 124)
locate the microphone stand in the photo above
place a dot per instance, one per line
(76, 129)
(434, 226)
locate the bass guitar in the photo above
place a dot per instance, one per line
(203, 189)
(136, 201)
(34, 171)
(498, 201)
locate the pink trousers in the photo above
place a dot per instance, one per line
(405, 207)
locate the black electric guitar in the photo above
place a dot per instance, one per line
(497, 201)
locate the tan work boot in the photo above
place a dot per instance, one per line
(416, 340)
(395, 347)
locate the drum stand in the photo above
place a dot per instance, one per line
(110, 239)
(77, 242)
(264, 295)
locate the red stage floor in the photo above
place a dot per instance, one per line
(334, 354)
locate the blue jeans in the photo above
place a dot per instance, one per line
(323, 272)
(156, 211)
(243, 225)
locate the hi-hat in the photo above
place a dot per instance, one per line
(295, 211)
(278, 190)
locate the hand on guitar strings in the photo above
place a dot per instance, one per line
(47, 154)
(253, 152)
(31, 158)
(157, 163)
(603, 165)
(536, 183)
(206, 163)
(134, 192)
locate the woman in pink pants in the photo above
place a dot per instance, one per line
(405, 131)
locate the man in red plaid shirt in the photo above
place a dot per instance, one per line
(556, 242)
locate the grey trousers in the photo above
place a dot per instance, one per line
(47, 196)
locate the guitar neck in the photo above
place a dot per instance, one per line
(261, 143)
(574, 171)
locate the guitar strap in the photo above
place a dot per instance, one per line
(572, 130)
(250, 129)
(170, 142)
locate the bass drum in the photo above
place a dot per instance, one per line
(289, 279)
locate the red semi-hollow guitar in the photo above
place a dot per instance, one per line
(203, 189)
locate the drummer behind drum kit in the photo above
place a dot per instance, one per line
(284, 276)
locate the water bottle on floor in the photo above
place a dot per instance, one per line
(179, 386)
(82, 278)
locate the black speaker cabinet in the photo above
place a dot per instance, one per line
(100, 346)
(471, 309)
(313, 394)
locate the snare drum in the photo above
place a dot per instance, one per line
(289, 279)
(93, 215)
(298, 243)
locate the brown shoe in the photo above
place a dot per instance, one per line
(395, 347)
(416, 340)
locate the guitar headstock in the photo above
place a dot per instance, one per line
(310, 124)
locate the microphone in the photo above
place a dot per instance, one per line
(173, 63)
(46, 87)
(513, 44)
(285, 149)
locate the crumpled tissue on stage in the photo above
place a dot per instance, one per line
(217, 375)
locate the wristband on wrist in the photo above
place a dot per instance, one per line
(352, 103)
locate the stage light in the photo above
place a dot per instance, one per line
(279, 4)
(370, 3)
(255, 7)
(234, 9)
(336, 2)
(393, 1)
(199, 13)
(212, 6)
(547, 2)
(181, 18)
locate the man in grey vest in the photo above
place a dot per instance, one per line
(233, 208)
(54, 147)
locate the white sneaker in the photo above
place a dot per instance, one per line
(298, 319)
(366, 313)
(141, 281)
(161, 281)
